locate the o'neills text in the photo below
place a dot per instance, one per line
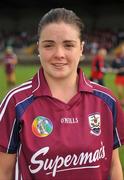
(69, 162)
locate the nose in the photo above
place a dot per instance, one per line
(59, 52)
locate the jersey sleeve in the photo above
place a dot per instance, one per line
(9, 126)
(119, 126)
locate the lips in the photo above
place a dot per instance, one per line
(59, 65)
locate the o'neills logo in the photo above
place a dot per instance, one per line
(67, 163)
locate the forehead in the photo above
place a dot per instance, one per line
(60, 29)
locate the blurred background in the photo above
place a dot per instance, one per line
(104, 27)
(103, 23)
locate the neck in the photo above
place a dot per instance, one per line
(63, 89)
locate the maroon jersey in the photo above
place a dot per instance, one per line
(57, 140)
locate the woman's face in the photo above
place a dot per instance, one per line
(60, 50)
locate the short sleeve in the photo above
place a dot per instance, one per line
(9, 126)
(119, 126)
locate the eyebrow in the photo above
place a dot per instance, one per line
(66, 41)
(47, 41)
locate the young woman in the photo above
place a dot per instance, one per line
(59, 125)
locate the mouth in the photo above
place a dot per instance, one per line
(59, 65)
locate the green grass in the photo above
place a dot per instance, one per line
(24, 73)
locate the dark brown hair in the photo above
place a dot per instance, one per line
(61, 14)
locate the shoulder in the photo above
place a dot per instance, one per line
(17, 94)
(103, 93)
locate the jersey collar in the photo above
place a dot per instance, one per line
(41, 88)
(84, 83)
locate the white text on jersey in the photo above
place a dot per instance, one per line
(69, 120)
(69, 162)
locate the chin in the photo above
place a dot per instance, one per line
(60, 75)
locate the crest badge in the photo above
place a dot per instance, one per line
(95, 124)
(42, 126)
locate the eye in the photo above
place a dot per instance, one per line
(47, 45)
(69, 45)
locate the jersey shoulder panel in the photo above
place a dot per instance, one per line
(106, 95)
(15, 96)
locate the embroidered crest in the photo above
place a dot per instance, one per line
(95, 123)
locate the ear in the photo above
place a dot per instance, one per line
(82, 47)
(38, 46)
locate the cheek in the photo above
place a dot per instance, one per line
(44, 56)
(76, 55)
